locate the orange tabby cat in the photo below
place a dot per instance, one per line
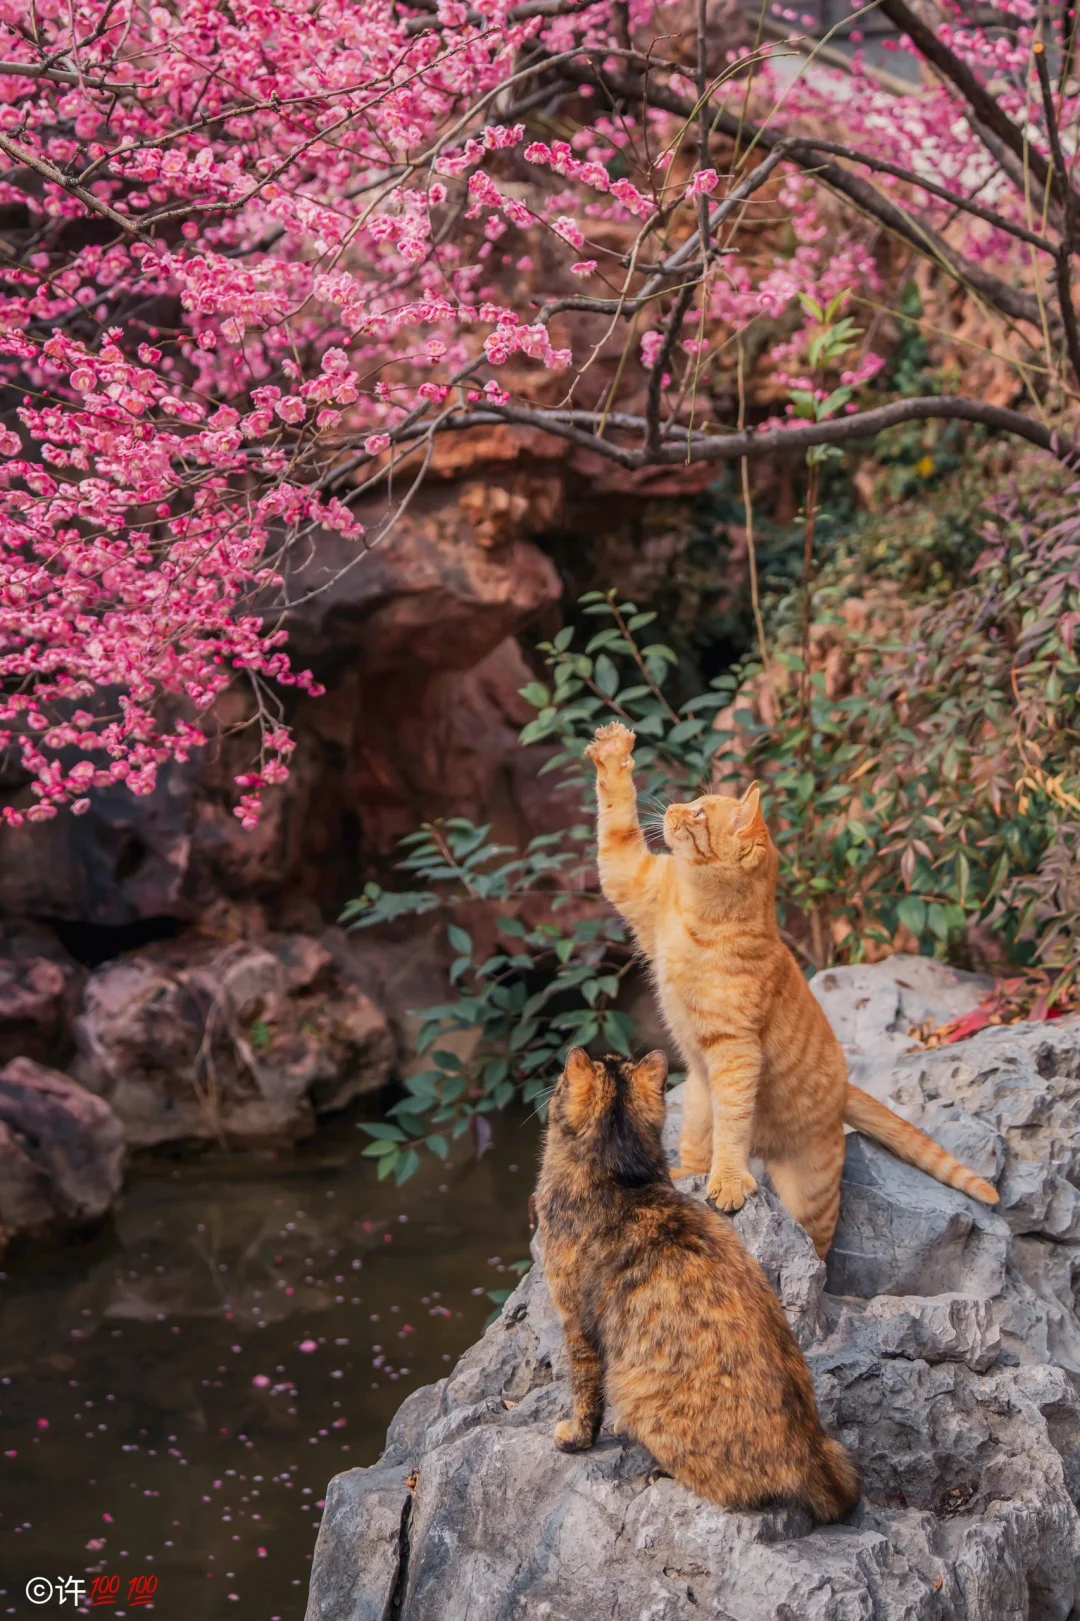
(765, 1073)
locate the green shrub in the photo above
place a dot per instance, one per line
(942, 789)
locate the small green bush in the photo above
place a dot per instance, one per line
(943, 788)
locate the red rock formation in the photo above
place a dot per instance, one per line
(237, 1043)
(61, 1154)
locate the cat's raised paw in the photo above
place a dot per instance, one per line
(730, 1192)
(612, 745)
(570, 1437)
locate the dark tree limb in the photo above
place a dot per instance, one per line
(1063, 268)
(679, 445)
(986, 107)
(28, 70)
(48, 171)
(1007, 300)
(967, 204)
(660, 365)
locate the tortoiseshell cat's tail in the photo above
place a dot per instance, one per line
(908, 1143)
(832, 1489)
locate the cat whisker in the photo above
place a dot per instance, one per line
(542, 1100)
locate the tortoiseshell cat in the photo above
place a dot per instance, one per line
(664, 1308)
(765, 1073)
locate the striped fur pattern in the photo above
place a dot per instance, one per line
(666, 1314)
(766, 1076)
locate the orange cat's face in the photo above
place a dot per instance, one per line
(716, 831)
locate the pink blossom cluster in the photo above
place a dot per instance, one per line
(270, 247)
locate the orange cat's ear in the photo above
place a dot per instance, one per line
(754, 787)
(578, 1088)
(748, 817)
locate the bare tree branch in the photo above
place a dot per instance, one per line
(1068, 207)
(1007, 300)
(701, 446)
(42, 166)
(660, 365)
(986, 107)
(967, 204)
(27, 70)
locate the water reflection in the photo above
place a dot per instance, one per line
(176, 1396)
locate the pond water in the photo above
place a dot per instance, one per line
(175, 1396)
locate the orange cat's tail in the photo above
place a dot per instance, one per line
(908, 1143)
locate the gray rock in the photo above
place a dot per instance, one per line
(944, 1341)
(873, 1007)
(1013, 1094)
(61, 1154)
(371, 1521)
(902, 1233)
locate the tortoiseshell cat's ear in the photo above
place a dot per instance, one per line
(650, 1074)
(579, 1090)
(648, 1082)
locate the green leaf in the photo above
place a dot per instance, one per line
(438, 1146)
(378, 1150)
(460, 940)
(407, 1166)
(384, 1133)
(606, 676)
(619, 1031)
(912, 913)
(687, 729)
(536, 731)
(260, 1035)
(536, 694)
(937, 920)
(838, 397)
(409, 1121)
(564, 637)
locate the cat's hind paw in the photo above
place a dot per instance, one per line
(572, 1437)
(612, 746)
(730, 1191)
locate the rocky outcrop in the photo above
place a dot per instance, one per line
(241, 1043)
(61, 1154)
(942, 1337)
(39, 993)
(414, 639)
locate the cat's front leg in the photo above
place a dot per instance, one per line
(628, 873)
(578, 1433)
(618, 830)
(734, 1072)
